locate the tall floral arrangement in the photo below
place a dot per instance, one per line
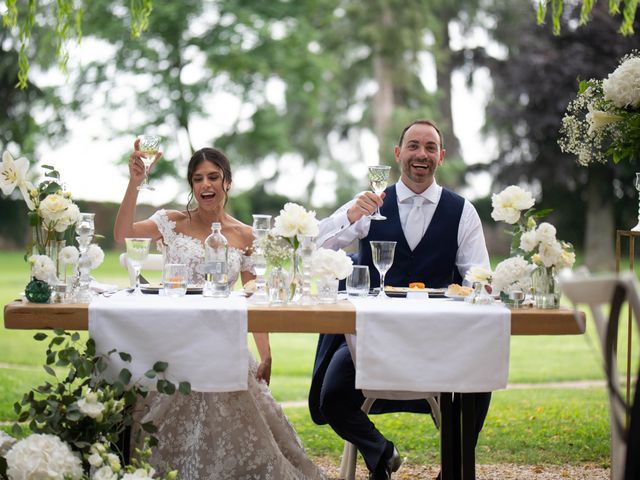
(603, 122)
(76, 418)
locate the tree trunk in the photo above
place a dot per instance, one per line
(383, 100)
(599, 248)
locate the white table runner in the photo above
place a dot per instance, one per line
(431, 345)
(204, 340)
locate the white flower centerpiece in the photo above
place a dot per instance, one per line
(536, 254)
(53, 217)
(74, 422)
(330, 266)
(298, 227)
(479, 277)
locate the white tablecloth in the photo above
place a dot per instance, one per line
(431, 345)
(204, 340)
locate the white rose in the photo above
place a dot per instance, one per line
(104, 473)
(71, 217)
(69, 255)
(139, 474)
(41, 456)
(114, 462)
(91, 407)
(42, 268)
(529, 240)
(508, 204)
(546, 233)
(567, 259)
(6, 442)
(478, 274)
(95, 255)
(550, 253)
(95, 460)
(622, 87)
(53, 209)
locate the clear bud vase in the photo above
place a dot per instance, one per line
(297, 278)
(278, 282)
(545, 288)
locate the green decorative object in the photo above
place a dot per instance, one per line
(37, 291)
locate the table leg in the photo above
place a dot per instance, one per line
(468, 412)
(450, 439)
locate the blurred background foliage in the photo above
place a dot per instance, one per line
(312, 78)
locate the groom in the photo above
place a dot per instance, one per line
(439, 237)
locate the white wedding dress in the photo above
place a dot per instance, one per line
(235, 435)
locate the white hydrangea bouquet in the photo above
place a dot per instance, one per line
(603, 122)
(75, 421)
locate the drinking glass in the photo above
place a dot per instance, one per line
(149, 146)
(137, 252)
(636, 184)
(378, 177)
(174, 279)
(261, 226)
(382, 253)
(358, 281)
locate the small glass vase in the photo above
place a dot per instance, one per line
(545, 288)
(297, 277)
(278, 286)
(327, 290)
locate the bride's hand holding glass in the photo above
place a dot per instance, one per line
(145, 154)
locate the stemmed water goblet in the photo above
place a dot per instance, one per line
(149, 146)
(137, 253)
(636, 184)
(382, 253)
(261, 227)
(378, 177)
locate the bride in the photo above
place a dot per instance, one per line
(234, 435)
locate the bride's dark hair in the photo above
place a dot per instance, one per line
(214, 156)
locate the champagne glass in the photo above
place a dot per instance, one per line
(382, 253)
(636, 184)
(378, 177)
(261, 226)
(149, 146)
(137, 252)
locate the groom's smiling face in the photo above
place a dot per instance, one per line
(419, 156)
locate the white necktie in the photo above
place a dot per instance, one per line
(414, 229)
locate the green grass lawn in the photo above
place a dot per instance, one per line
(536, 425)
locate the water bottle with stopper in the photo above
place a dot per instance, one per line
(216, 278)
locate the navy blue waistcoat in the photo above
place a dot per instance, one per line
(433, 261)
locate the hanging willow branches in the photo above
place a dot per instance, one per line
(628, 13)
(68, 25)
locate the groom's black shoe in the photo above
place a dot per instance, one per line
(387, 466)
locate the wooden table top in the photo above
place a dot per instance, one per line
(336, 318)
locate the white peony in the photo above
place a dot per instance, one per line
(6, 442)
(13, 173)
(478, 274)
(622, 87)
(331, 263)
(514, 271)
(567, 259)
(508, 204)
(295, 220)
(58, 212)
(550, 253)
(95, 255)
(42, 268)
(546, 233)
(69, 255)
(529, 240)
(43, 456)
(90, 406)
(104, 473)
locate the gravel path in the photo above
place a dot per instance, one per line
(502, 471)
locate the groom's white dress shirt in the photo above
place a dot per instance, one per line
(336, 231)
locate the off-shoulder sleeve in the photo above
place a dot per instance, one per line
(246, 264)
(166, 226)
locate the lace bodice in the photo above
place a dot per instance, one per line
(181, 248)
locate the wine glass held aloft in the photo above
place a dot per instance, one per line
(636, 184)
(378, 177)
(137, 253)
(148, 149)
(382, 254)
